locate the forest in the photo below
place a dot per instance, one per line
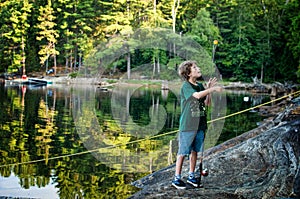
(258, 38)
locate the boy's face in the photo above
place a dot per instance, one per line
(195, 72)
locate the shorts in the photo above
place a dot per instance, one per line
(190, 141)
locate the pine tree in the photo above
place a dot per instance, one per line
(14, 31)
(291, 24)
(204, 30)
(47, 34)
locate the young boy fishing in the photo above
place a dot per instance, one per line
(193, 123)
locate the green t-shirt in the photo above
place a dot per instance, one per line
(193, 113)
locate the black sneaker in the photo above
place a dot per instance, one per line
(194, 182)
(178, 184)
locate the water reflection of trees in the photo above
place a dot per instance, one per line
(42, 128)
(131, 120)
(41, 123)
(241, 123)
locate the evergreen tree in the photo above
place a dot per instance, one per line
(188, 12)
(241, 43)
(14, 31)
(76, 25)
(256, 38)
(47, 34)
(204, 30)
(290, 17)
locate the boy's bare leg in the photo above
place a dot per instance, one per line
(193, 160)
(177, 182)
(179, 163)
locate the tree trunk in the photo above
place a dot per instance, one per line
(47, 63)
(23, 57)
(174, 14)
(261, 73)
(175, 7)
(158, 65)
(66, 65)
(79, 61)
(55, 63)
(75, 57)
(154, 67)
(128, 64)
(71, 61)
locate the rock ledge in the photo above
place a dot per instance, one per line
(262, 163)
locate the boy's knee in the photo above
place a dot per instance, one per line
(182, 156)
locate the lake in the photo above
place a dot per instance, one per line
(78, 141)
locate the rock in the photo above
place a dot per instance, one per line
(255, 88)
(274, 89)
(262, 163)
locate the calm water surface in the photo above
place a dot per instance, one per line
(82, 142)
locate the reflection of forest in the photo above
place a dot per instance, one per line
(133, 114)
(39, 124)
(241, 123)
(42, 127)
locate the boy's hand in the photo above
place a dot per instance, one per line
(212, 82)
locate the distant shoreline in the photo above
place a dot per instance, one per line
(274, 89)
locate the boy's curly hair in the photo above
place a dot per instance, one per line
(184, 69)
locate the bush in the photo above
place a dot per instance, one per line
(73, 75)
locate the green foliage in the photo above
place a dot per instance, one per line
(14, 26)
(73, 75)
(292, 26)
(204, 30)
(255, 38)
(47, 33)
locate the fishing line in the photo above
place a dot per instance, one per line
(251, 108)
(156, 136)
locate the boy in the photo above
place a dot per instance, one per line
(193, 99)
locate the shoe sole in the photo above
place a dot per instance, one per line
(177, 187)
(195, 185)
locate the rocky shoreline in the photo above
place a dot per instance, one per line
(261, 163)
(273, 89)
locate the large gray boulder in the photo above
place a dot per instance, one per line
(262, 163)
